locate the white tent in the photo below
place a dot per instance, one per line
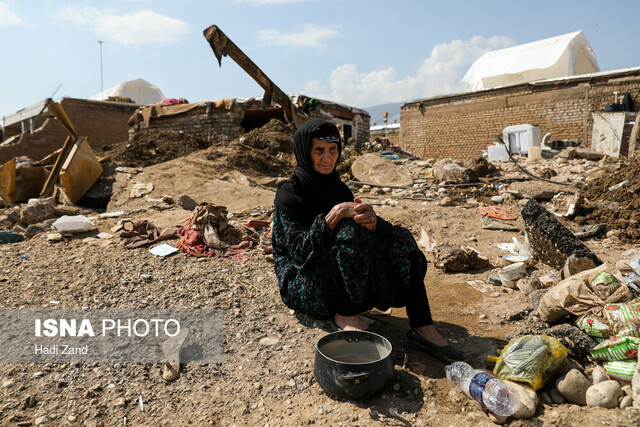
(139, 90)
(561, 56)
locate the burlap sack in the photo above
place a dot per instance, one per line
(574, 295)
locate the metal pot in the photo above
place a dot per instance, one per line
(353, 363)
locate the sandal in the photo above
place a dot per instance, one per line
(447, 353)
(171, 349)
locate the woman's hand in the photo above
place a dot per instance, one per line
(340, 211)
(362, 213)
(365, 215)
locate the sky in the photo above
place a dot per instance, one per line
(357, 52)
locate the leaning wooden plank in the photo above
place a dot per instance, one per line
(8, 181)
(47, 190)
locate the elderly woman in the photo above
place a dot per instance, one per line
(335, 258)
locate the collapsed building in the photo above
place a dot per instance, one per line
(227, 119)
(34, 131)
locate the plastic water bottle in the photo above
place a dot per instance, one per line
(491, 392)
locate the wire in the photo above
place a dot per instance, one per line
(526, 171)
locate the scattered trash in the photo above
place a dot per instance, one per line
(515, 258)
(139, 189)
(142, 233)
(452, 258)
(480, 286)
(512, 272)
(163, 250)
(531, 359)
(145, 276)
(493, 393)
(498, 212)
(617, 348)
(111, 214)
(489, 223)
(23, 258)
(73, 224)
(427, 242)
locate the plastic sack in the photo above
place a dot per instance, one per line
(575, 295)
(621, 370)
(621, 319)
(616, 348)
(530, 359)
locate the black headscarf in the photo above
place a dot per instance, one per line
(308, 193)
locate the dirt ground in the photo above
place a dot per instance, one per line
(272, 384)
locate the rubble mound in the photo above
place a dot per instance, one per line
(267, 150)
(618, 208)
(154, 146)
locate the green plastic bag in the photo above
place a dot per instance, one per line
(616, 348)
(529, 359)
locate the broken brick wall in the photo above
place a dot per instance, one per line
(393, 135)
(463, 125)
(204, 121)
(103, 123)
(211, 123)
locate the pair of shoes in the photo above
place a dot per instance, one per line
(447, 353)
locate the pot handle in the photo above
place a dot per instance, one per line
(355, 378)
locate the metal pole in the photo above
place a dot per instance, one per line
(101, 85)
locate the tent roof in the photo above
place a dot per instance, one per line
(139, 90)
(531, 59)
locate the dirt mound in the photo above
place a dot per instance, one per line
(267, 150)
(617, 208)
(155, 146)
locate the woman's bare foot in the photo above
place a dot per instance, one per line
(429, 332)
(350, 323)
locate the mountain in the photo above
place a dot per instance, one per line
(377, 111)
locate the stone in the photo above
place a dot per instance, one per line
(528, 284)
(37, 212)
(72, 418)
(447, 170)
(527, 400)
(32, 230)
(6, 221)
(269, 341)
(54, 237)
(446, 201)
(573, 387)
(599, 375)
(186, 202)
(8, 384)
(497, 199)
(119, 402)
(556, 396)
(604, 394)
(627, 390)
(42, 420)
(139, 189)
(626, 402)
(545, 398)
(623, 266)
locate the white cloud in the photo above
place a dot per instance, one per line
(140, 27)
(310, 35)
(7, 16)
(439, 74)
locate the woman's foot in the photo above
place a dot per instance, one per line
(350, 323)
(430, 333)
(430, 340)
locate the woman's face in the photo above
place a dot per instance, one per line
(324, 156)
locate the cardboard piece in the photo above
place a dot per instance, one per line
(22, 184)
(80, 170)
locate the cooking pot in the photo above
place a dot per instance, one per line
(353, 363)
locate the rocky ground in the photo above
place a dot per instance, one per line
(270, 382)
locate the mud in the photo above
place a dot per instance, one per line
(154, 146)
(619, 208)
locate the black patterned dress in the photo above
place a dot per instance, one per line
(317, 268)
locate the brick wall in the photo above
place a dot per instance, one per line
(103, 123)
(393, 135)
(463, 125)
(213, 123)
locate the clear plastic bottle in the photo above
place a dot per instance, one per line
(491, 392)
